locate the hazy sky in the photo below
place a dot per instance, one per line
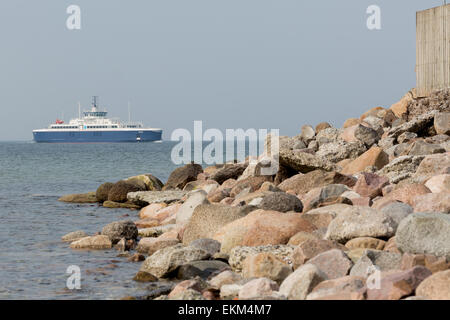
(231, 63)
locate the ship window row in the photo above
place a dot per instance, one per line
(64, 127)
(100, 127)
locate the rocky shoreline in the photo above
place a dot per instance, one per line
(356, 213)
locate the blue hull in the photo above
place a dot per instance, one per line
(97, 136)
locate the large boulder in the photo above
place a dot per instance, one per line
(370, 185)
(417, 125)
(432, 165)
(151, 245)
(163, 262)
(442, 123)
(251, 184)
(325, 196)
(345, 288)
(420, 147)
(147, 181)
(302, 183)
(99, 242)
(375, 260)
(435, 287)
(207, 219)
(401, 108)
(407, 193)
(303, 162)
(358, 222)
(309, 249)
(261, 227)
(334, 263)
(239, 254)
(186, 210)
(202, 269)
(209, 245)
(432, 202)
(182, 175)
(374, 157)
(340, 150)
(394, 285)
(282, 202)
(300, 283)
(119, 191)
(367, 135)
(102, 191)
(145, 198)
(228, 171)
(73, 236)
(427, 233)
(261, 288)
(79, 198)
(266, 265)
(439, 183)
(401, 168)
(120, 229)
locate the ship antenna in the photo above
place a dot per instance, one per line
(129, 112)
(95, 101)
(79, 110)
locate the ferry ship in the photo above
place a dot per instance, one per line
(94, 126)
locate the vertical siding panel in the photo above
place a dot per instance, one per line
(433, 49)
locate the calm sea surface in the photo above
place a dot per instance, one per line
(33, 260)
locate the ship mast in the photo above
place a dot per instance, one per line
(94, 102)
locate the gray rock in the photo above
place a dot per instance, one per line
(327, 135)
(165, 261)
(401, 168)
(154, 232)
(282, 202)
(417, 124)
(209, 245)
(230, 291)
(340, 150)
(202, 269)
(327, 194)
(442, 123)
(420, 147)
(99, 242)
(300, 283)
(73, 236)
(432, 165)
(120, 229)
(334, 263)
(398, 150)
(425, 233)
(299, 145)
(356, 222)
(397, 211)
(313, 145)
(224, 278)
(186, 210)
(308, 133)
(367, 135)
(183, 175)
(375, 260)
(209, 218)
(406, 137)
(188, 295)
(229, 171)
(303, 162)
(145, 198)
(261, 288)
(348, 284)
(239, 254)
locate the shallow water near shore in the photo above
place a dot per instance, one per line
(33, 260)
